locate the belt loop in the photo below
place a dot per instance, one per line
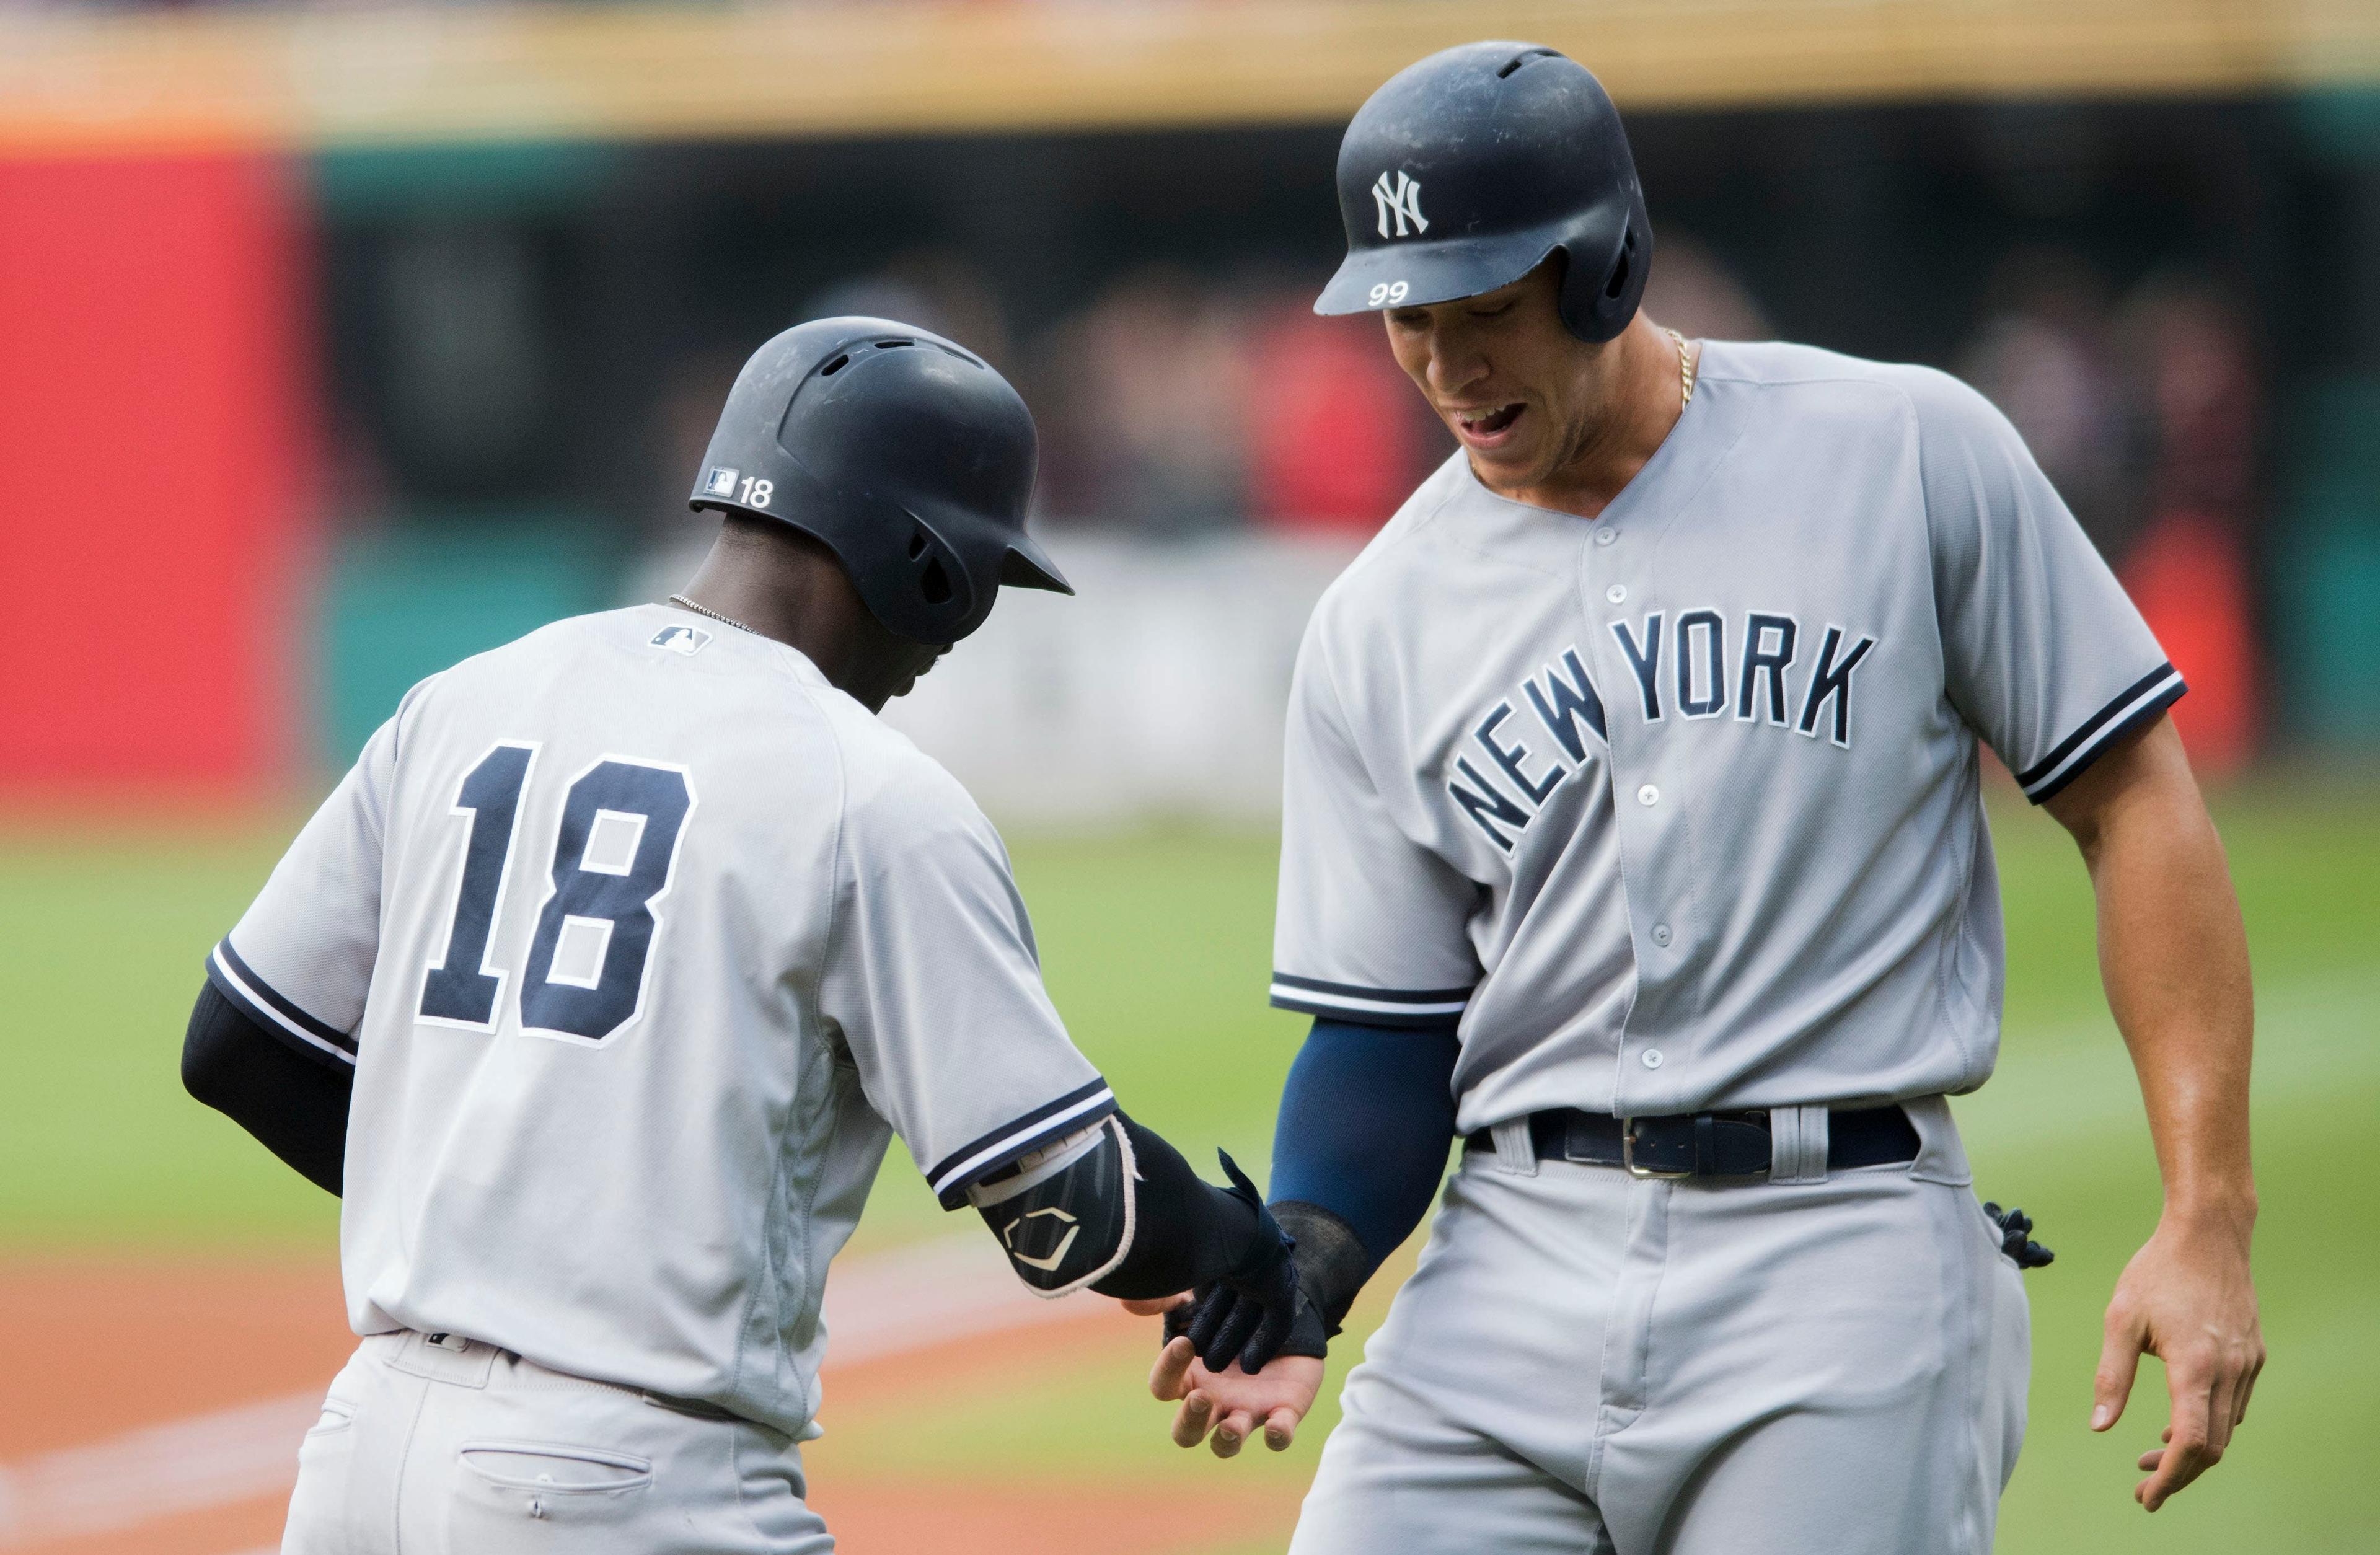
(1516, 1153)
(444, 1357)
(1797, 1144)
(1940, 1156)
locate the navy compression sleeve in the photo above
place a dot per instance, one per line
(1365, 1118)
(293, 1101)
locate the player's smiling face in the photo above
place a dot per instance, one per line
(1520, 391)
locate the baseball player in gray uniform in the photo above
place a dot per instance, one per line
(1631, 834)
(602, 981)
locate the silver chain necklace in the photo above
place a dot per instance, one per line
(706, 610)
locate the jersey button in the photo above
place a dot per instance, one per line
(1661, 935)
(1648, 795)
(1617, 593)
(1650, 1058)
(1606, 535)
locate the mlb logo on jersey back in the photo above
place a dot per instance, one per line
(721, 481)
(685, 642)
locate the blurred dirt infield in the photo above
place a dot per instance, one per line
(155, 1406)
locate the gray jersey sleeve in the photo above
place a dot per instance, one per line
(2044, 654)
(299, 962)
(1373, 926)
(934, 984)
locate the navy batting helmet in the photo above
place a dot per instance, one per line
(907, 457)
(1470, 169)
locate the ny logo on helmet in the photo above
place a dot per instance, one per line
(1402, 201)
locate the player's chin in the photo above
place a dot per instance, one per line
(1506, 464)
(908, 683)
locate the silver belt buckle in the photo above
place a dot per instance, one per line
(1628, 1156)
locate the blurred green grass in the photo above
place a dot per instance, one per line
(1157, 947)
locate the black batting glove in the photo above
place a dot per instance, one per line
(2016, 1232)
(1331, 1270)
(1258, 1310)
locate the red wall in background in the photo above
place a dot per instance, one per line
(1336, 439)
(157, 475)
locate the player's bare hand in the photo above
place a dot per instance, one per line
(1230, 1404)
(2186, 1298)
(1156, 1307)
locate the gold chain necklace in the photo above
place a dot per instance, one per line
(706, 610)
(1687, 366)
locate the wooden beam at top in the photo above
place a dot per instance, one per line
(306, 79)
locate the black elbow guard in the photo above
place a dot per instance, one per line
(1063, 1213)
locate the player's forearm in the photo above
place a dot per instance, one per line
(1188, 1233)
(2174, 956)
(1116, 1208)
(295, 1106)
(1366, 1115)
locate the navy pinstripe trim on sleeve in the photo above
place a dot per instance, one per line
(980, 1158)
(1370, 1006)
(2131, 707)
(264, 1005)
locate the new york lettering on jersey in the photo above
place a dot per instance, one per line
(1706, 681)
(1619, 817)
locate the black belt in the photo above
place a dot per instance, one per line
(1706, 1143)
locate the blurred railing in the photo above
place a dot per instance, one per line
(297, 77)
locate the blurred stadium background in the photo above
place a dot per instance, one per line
(339, 341)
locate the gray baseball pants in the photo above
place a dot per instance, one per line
(450, 1447)
(1589, 1362)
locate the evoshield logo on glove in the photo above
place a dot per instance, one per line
(1402, 201)
(1008, 1237)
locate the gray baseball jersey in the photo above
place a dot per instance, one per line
(642, 939)
(1677, 807)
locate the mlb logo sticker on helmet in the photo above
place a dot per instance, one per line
(908, 458)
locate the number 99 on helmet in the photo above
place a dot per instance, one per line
(1469, 169)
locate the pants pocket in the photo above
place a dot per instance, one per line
(564, 1485)
(338, 1415)
(323, 1506)
(539, 1464)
